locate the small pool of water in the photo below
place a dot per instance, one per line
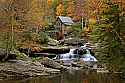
(73, 77)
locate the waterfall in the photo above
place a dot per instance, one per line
(71, 55)
(88, 52)
(72, 51)
(68, 55)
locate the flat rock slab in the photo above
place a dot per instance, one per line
(51, 63)
(14, 69)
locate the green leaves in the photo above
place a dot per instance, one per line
(43, 37)
(107, 33)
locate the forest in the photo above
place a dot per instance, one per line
(31, 26)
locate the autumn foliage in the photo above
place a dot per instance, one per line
(59, 10)
(70, 9)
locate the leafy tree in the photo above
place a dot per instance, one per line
(18, 16)
(35, 13)
(108, 36)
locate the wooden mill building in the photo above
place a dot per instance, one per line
(62, 25)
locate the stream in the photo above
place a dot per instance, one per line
(73, 77)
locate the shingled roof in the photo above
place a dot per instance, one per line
(66, 20)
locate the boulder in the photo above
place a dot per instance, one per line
(4, 56)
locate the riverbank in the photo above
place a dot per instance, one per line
(19, 69)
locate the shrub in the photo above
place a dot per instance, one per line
(43, 37)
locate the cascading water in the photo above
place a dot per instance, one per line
(68, 57)
(88, 57)
(87, 51)
(72, 51)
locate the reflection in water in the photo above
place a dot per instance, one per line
(85, 81)
(75, 77)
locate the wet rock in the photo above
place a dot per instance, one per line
(2, 53)
(51, 63)
(52, 71)
(4, 56)
(79, 64)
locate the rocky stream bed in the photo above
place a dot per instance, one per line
(19, 69)
(13, 68)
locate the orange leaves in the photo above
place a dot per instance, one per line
(49, 2)
(30, 45)
(76, 18)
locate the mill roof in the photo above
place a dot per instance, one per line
(66, 20)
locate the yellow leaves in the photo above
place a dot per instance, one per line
(109, 28)
(59, 10)
(106, 27)
(35, 13)
(92, 7)
(87, 29)
(92, 20)
(70, 8)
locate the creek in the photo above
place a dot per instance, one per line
(73, 77)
